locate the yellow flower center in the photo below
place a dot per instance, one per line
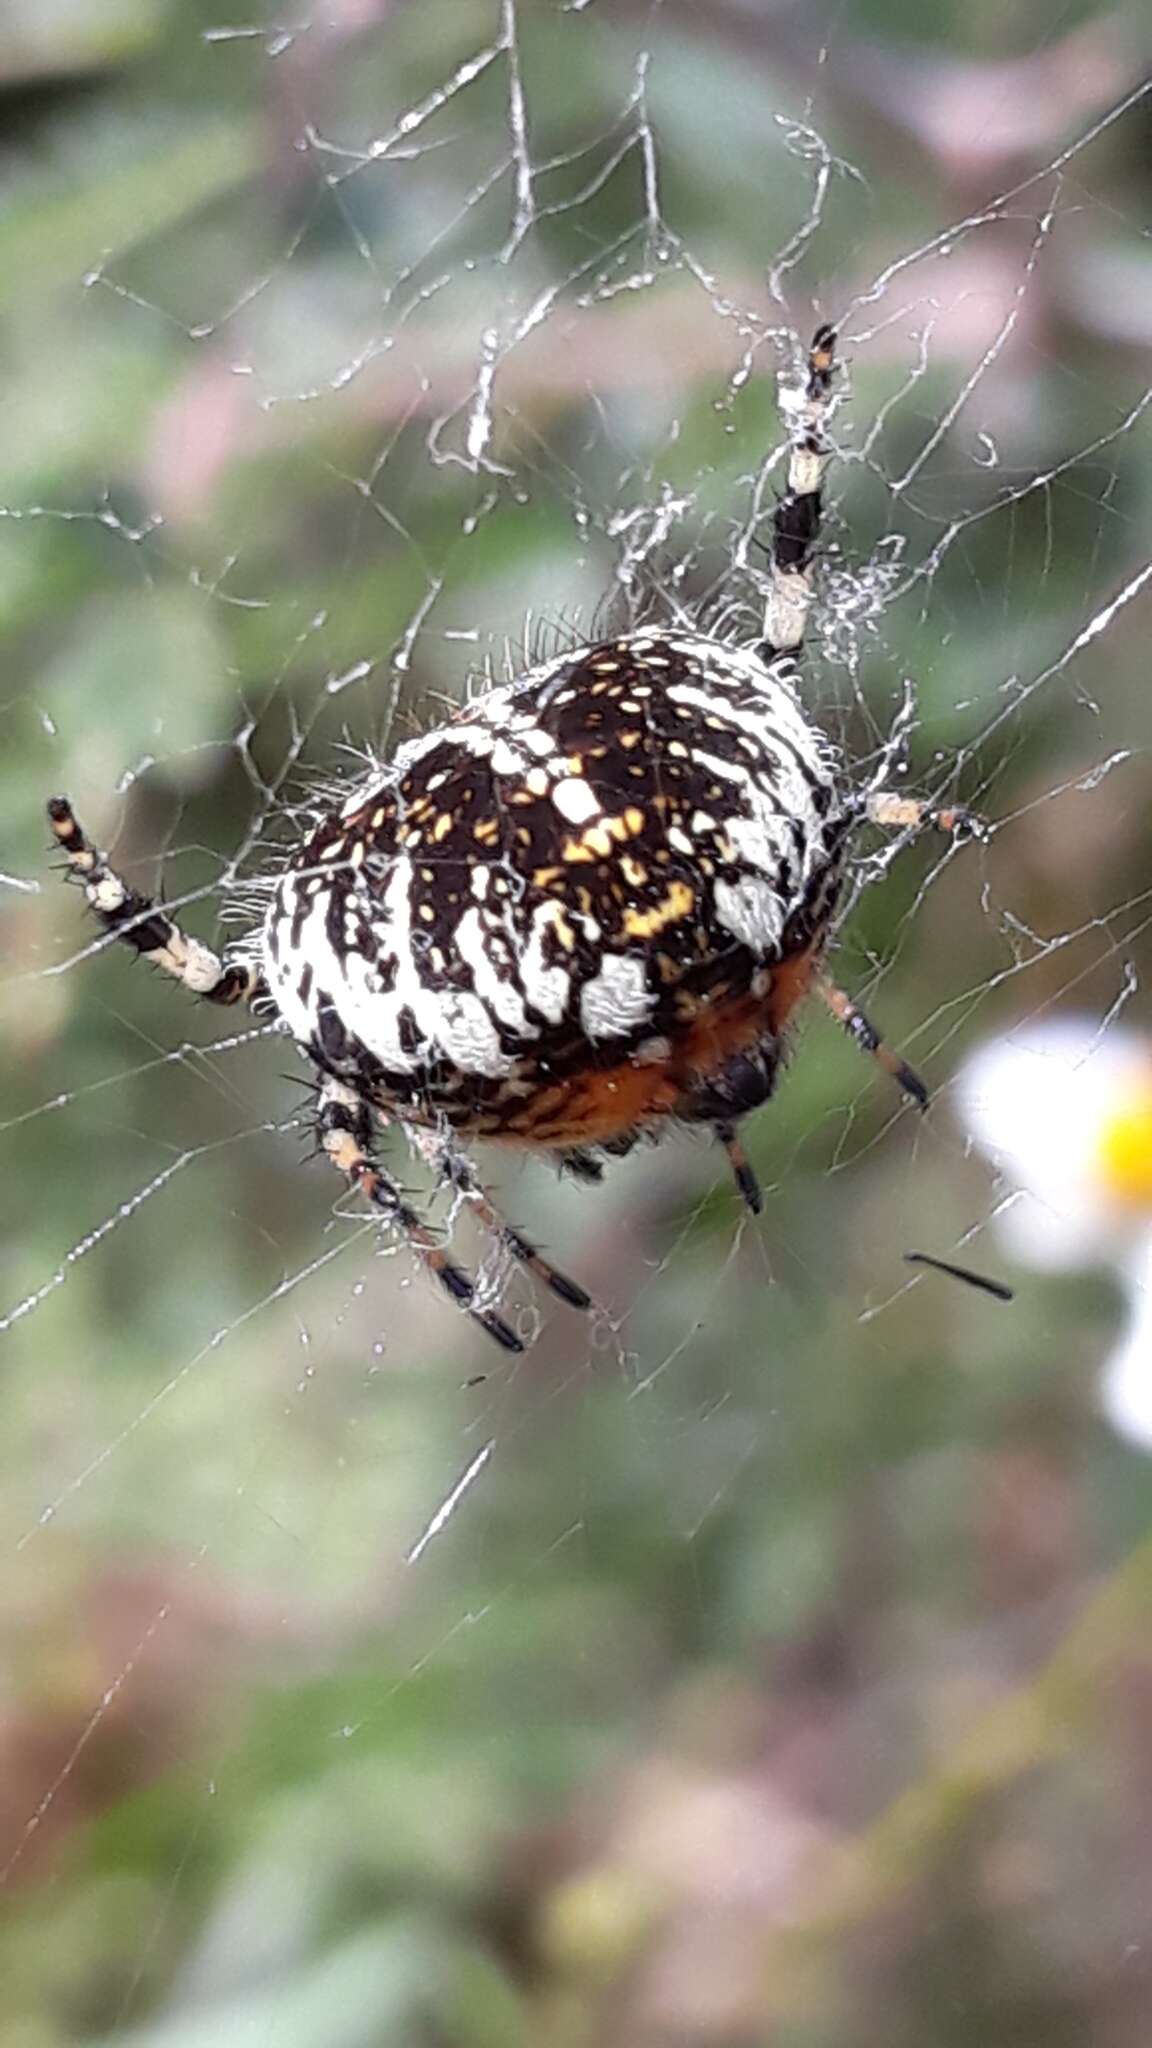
(1125, 1153)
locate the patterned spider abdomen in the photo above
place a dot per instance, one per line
(587, 904)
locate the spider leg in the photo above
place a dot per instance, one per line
(743, 1082)
(460, 1174)
(580, 1164)
(894, 812)
(866, 1036)
(142, 924)
(742, 1170)
(796, 520)
(345, 1127)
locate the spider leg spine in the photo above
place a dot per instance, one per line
(345, 1129)
(580, 1165)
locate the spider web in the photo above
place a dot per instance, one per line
(374, 359)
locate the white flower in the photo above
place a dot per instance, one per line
(1064, 1109)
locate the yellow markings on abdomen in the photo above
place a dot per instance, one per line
(678, 904)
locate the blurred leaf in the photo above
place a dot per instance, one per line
(40, 39)
(48, 243)
(144, 673)
(364, 1991)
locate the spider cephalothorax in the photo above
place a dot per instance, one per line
(579, 912)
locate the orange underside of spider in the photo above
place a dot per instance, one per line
(595, 1106)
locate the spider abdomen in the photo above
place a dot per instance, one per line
(554, 917)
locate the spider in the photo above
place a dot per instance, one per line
(580, 912)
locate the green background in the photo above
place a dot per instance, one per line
(782, 1674)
